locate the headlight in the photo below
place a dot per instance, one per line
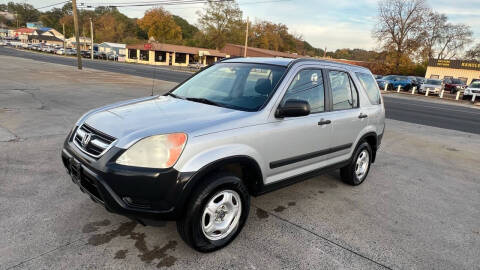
(160, 151)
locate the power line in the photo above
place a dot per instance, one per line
(64, 2)
(153, 3)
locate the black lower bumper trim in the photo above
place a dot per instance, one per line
(139, 194)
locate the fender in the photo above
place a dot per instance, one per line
(210, 155)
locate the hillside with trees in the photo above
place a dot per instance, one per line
(409, 32)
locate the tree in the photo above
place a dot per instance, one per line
(434, 26)
(24, 12)
(188, 30)
(114, 26)
(221, 22)
(454, 38)
(473, 53)
(399, 27)
(159, 24)
(52, 18)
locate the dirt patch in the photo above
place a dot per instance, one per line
(262, 214)
(279, 209)
(121, 254)
(94, 226)
(126, 229)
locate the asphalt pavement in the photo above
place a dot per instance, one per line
(418, 209)
(409, 110)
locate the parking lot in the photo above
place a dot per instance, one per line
(418, 209)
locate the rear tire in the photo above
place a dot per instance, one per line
(357, 171)
(222, 200)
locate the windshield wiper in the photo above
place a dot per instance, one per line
(175, 96)
(205, 101)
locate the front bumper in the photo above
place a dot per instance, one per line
(142, 194)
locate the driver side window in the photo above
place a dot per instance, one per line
(308, 86)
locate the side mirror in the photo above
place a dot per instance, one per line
(293, 108)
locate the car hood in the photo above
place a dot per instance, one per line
(432, 85)
(161, 115)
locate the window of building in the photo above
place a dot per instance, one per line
(434, 77)
(463, 79)
(308, 85)
(144, 55)
(132, 53)
(344, 94)
(370, 85)
(180, 58)
(447, 77)
(160, 56)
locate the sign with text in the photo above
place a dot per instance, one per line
(457, 64)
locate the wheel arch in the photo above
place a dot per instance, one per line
(245, 167)
(372, 139)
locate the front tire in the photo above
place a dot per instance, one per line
(216, 213)
(356, 172)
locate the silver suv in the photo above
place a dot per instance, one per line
(239, 128)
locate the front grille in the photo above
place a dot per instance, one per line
(476, 91)
(92, 141)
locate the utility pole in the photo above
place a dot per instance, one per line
(77, 39)
(246, 41)
(325, 53)
(91, 36)
(63, 26)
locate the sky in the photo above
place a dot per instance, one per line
(331, 24)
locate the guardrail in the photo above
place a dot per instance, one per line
(442, 95)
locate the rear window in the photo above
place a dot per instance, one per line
(370, 85)
(434, 82)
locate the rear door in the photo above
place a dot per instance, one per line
(348, 119)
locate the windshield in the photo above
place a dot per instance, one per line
(456, 81)
(238, 86)
(434, 82)
(475, 85)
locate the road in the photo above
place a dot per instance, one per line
(161, 73)
(409, 110)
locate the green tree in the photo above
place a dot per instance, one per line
(188, 30)
(221, 22)
(159, 24)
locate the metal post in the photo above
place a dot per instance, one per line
(413, 90)
(474, 96)
(458, 95)
(63, 26)
(426, 93)
(441, 93)
(91, 36)
(386, 87)
(77, 39)
(246, 41)
(398, 89)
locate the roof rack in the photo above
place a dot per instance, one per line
(298, 60)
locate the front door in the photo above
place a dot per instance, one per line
(295, 145)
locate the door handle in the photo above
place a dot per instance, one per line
(324, 122)
(362, 115)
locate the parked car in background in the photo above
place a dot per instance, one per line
(454, 85)
(415, 82)
(473, 88)
(70, 52)
(112, 56)
(394, 81)
(377, 76)
(434, 86)
(60, 51)
(240, 128)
